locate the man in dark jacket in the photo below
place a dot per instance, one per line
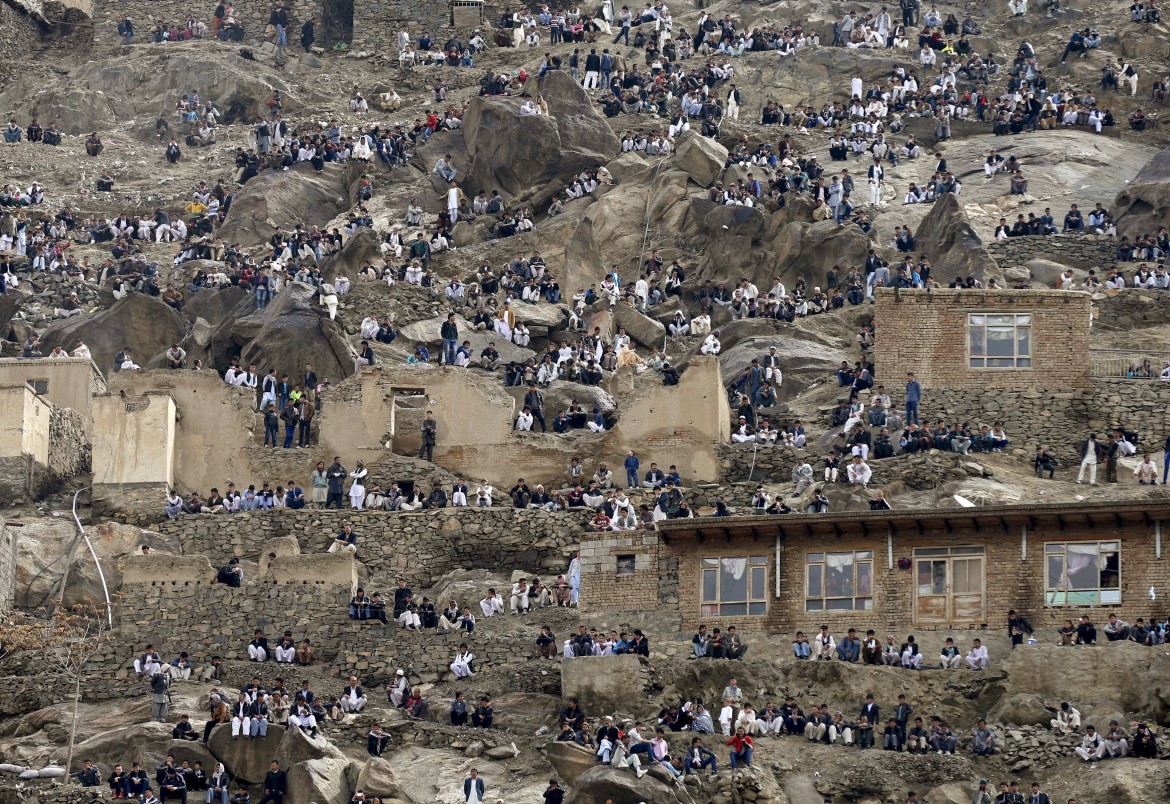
(275, 785)
(336, 474)
(307, 37)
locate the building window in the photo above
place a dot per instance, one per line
(39, 387)
(999, 340)
(734, 587)
(1082, 574)
(839, 581)
(626, 564)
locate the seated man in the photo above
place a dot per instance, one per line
(353, 697)
(977, 657)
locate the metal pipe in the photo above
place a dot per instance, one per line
(1158, 538)
(1023, 543)
(93, 553)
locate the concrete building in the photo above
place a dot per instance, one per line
(895, 571)
(47, 413)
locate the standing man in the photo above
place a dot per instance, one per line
(876, 174)
(336, 474)
(454, 199)
(1112, 453)
(631, 465)
(307, 40)
(280, 21)
(534, 401)
(449, 332)
(275, 785)
(472, 788)
(160, 696)
(305, 413)
(1090, 452)
(913, 397)
(624, 23)
(430, 429)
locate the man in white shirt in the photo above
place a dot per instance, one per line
(824, 646)
(977, 658)
(859, 472)
(519, 599)
(492, 604)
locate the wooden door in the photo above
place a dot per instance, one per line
(949, 587)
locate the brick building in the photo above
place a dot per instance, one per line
(984, 338)
(930, 570)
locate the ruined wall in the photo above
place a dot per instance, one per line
(419, 546)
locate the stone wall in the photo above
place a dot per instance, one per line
(1077, 251)
(7, 566)
(69, 447)
(206, 618)
(1057, 420)
(107, 14)
(372, 25)
(419, 546)
(1132, 308)
(18, 34)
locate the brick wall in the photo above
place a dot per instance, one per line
(926, 332)
(637, 587)
(1013, 577)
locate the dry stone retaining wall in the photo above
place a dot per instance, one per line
(1078, 251)
(419, 546)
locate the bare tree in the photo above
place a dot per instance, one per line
(64, 640)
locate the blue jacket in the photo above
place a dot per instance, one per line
(632, 463)
(913, 391)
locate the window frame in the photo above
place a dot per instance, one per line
(755, 600)
(857, 558)
(1066, 597)
(625, 564)
(1019, 361)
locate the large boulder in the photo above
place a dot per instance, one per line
(284, 198)
(246, 759)
(645, 331)
(139, 82)
(317, 781)
(147, 743)
(812, 249)
(377, 778)
(605, 687)
(552, 316)
(426, 331)
(289, 332)
(607, 783)
(145, 324)
(45, 551)
(948, 239)
(362, 247)
(701, 158)
(297, 747)
(214, 305)
(517, 153)
(1144, 205)
(1021, 709)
